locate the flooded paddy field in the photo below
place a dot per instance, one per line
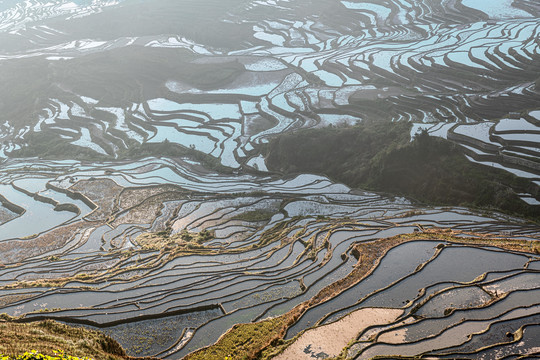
(132, 259)
(135, 198)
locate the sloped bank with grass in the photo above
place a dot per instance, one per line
(56, 340)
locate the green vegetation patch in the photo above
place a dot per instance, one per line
(254, 216)
(243, 341)
(379, 156)
(164, 240)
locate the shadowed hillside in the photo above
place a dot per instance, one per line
(381, 157)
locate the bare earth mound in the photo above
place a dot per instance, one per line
(329, 340)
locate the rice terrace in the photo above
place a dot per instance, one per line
(269, 179)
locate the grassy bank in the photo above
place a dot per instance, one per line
(379, 156)
(49, 337)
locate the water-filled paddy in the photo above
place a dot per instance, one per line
(148, 117)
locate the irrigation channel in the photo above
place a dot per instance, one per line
(135, 196)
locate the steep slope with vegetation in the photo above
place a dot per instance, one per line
(379, 156)
(54, 339)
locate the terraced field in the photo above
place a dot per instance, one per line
(135, 197)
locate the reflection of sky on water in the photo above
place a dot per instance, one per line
(15, 15)
(497, 9)
(37, 218)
